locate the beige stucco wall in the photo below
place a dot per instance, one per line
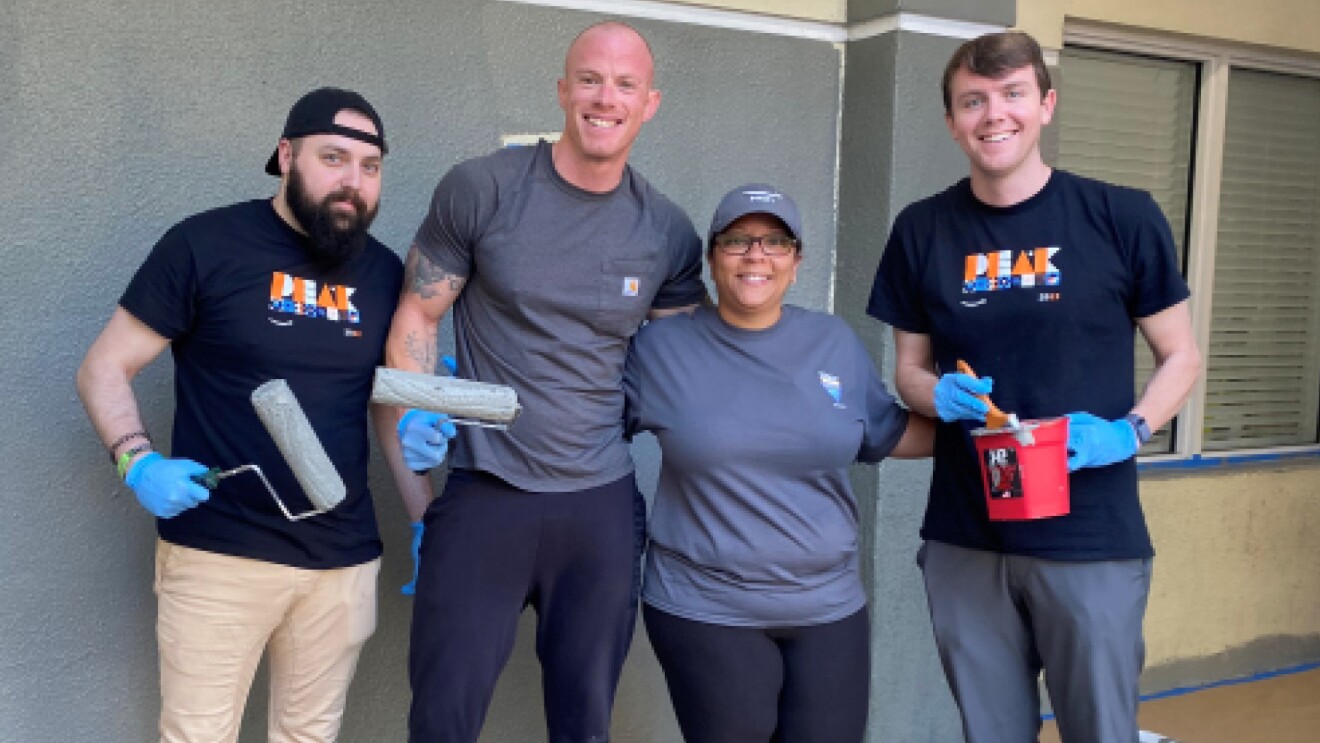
(1238, 560)
(1287, 24)
(832, 11)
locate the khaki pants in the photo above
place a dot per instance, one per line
(218, 613)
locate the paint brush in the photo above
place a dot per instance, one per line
(996, 418)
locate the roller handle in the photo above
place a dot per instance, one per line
(209, 479)
(212, 477)
(994, 418)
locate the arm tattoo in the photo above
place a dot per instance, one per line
(421, 347)
(421, 276)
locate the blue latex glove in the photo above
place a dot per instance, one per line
(955, 397)
(1096, 442)
(424, 435)
(410, 587)
(164, 486)
(425, 438)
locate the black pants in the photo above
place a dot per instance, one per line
(489, 551)
(752, 685)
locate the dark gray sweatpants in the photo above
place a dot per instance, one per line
(999, 619)
(491, 550)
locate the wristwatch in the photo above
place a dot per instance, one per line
(1140, 426)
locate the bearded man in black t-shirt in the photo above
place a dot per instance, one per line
(288, 288)
(1038, 278)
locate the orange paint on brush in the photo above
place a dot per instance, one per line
(994, 418)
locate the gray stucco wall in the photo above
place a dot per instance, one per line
(895, 149)
(122, 118)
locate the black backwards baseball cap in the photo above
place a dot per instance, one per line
(755, 198)
(315, 113)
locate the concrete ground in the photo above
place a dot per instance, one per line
(1282, 709)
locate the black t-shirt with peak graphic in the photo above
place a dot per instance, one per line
(1043, 296)
(235, 293)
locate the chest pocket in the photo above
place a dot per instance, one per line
(627, 286)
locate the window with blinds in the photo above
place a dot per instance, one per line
(1263, 361)
(1130, 120)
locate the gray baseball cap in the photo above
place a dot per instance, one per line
(755, 198)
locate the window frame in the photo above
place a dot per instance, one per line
(1216, 59)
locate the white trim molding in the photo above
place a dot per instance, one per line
(921, 24)
(835, 33)
(731, 19)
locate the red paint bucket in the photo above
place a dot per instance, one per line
(1025, 481)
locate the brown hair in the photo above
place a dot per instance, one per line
(994, 56)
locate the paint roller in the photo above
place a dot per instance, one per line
(284, 419)
(465, 401)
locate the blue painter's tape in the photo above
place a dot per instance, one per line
(1232, 682)
(1199, 461)
(1181, 690)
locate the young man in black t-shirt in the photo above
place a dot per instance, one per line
(1037, 278)
(288, 288)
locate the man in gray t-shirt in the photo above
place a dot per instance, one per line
(551, 258)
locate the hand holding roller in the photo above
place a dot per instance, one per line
(166, 487)
(424, 437)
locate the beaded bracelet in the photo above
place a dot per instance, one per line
(126, 457)
(124, 439)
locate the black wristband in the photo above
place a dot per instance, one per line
(125, 439)
(1141, 428)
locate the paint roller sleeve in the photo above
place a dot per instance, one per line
(279, 411)
(464, 400)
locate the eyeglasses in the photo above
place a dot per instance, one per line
(774, 246)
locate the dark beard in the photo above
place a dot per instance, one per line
(333, 237)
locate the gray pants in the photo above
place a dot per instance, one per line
(999, 619)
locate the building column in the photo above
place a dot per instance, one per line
(895, 149)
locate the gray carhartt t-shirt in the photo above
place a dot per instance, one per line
(559, 279)
(754, 522)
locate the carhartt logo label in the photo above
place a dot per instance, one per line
(1007, 269)
(291, 295)
(631, 285)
